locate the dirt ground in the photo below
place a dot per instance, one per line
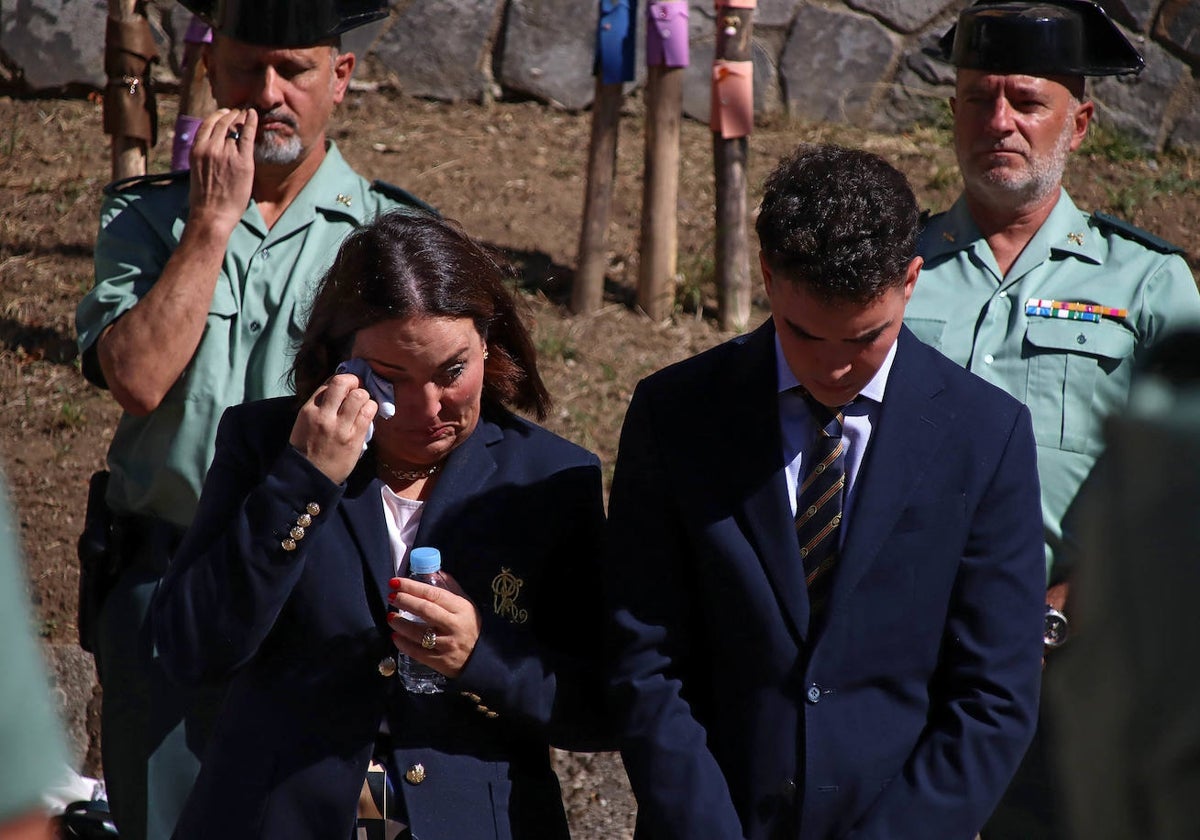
(514, 175)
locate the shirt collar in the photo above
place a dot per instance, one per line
(1065, 230)
(334, 189)
(785, 380)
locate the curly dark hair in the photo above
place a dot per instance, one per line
(403, 265)
(842, 221)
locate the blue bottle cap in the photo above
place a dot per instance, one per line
(425, 560)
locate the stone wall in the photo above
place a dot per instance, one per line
(859, 61)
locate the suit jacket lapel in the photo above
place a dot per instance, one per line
(763, 508)
(910, 427)
(469, 466)
(468, 469)
(362, 510)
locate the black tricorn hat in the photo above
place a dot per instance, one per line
(1047, 38)
(286, 23)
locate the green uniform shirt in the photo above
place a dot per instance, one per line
(32, 755)
(1071, 373)
(255, 319)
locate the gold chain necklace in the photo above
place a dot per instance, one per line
(410, 475)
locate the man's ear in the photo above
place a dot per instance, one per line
(766, 272)
(910, 276)
(1082, 119)
(343, 69)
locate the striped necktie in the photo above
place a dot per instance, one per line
(819, 503)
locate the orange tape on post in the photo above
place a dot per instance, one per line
(732, 112)
(737, 4)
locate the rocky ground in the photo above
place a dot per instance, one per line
(513, 174)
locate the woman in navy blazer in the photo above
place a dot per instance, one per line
(287, 585)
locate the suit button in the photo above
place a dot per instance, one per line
(387, 666)
(814, 693)
(415, 774)
(470, 695)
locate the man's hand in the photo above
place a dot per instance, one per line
(222, 170)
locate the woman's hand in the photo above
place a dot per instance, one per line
(448, 612)
(332, 426)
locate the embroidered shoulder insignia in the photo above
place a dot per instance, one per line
(1127, 231)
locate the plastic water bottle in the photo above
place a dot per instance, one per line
(425, 565)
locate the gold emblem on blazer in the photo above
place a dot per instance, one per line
(505, 588)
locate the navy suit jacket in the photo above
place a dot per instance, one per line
(300, 635)
(907, 713)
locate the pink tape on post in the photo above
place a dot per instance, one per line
(736, 4)
(667, 34)
(181, 146)
(732, 98)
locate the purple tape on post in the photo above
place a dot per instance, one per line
(181, 146)
(198, 32)
(667, 35)
(616, 39)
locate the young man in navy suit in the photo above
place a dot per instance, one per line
(826, 574)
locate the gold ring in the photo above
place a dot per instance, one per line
(429, 639)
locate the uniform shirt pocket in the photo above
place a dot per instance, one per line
(1068, 361)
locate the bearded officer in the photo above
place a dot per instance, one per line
(1020, 286)
(202, 279)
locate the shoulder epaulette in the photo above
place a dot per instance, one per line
(1128, 231)
(403, 196)
(158, 179)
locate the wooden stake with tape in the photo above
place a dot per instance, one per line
(615, 35)
(667, 59)
(732, 119)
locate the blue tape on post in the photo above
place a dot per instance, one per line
(616, 41)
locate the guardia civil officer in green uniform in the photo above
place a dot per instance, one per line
(1026, 290)
(32, 755)
(202, 280)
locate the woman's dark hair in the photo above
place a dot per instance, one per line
(403, 265)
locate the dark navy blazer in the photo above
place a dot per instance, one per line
(905, 715)
(300, 635)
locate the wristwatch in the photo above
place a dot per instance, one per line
(1057, 627)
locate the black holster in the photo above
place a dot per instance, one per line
(99, 563)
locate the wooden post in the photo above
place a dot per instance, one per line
(656, 269)
(195, 93)
(587, 293)
(734, 28)
(733, 251)
(128, 152)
